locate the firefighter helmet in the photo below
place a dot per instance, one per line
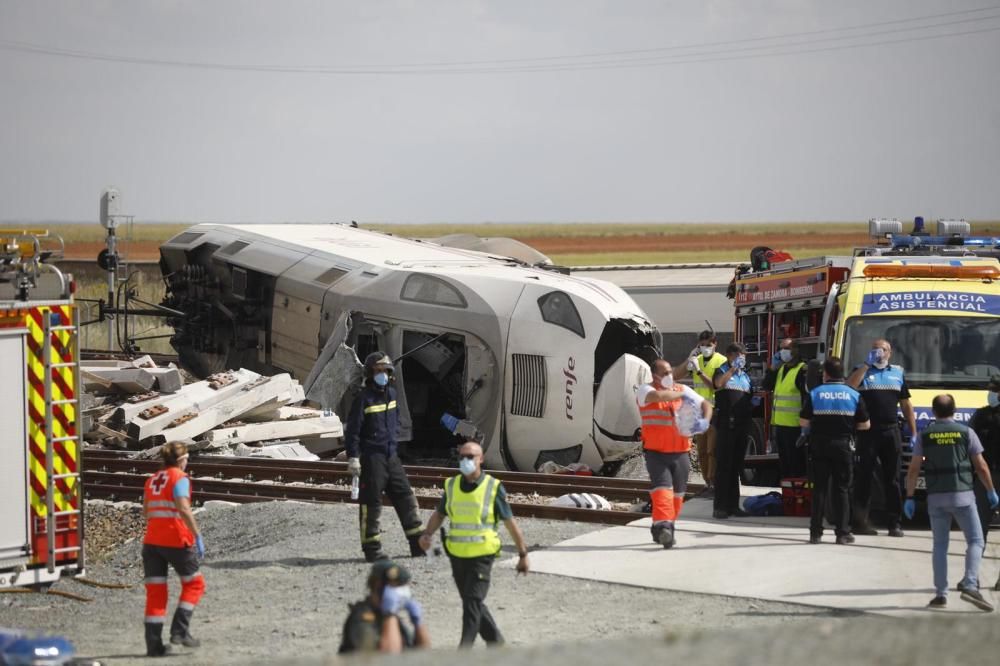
(374, 359)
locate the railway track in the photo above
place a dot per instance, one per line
(108, 474)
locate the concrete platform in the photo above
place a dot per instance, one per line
(770, 558)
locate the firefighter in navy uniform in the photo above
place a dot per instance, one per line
(733, 415)
(830, 414)
(370, 439)
(882, 387)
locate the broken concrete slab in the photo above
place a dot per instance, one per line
(278, 450)
(122, 380)
(288, 429)
(190, 400)
(237, 399)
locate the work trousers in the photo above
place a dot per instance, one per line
(791, 459)
(705, 444)
(472, 577)
(968, 521)
(379, 474)
(668, 473)
(878, 450)
(730, 452)
(156, 561)
(832, 467)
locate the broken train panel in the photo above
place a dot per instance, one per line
(516, 351)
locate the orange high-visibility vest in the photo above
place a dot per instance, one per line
(164, 525)
(659, 431)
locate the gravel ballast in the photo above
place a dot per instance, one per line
(280, 575)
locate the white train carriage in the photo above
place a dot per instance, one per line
(542, 364)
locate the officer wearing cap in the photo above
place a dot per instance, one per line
(376, 623)
(370, 439)
(986, 424)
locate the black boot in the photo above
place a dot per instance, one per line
(154, 640)
(180, 629)
(374, 554)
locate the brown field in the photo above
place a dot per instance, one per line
(556, 246)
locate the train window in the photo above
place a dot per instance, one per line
(428, 289)
(557, 308)
(234, 247)
(330, 276)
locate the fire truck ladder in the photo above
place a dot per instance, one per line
(73, 516)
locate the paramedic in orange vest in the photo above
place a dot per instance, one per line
(172, 539)
(665, 448)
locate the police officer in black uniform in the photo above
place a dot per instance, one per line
(986, 424)
(882, 387)
(371, 431)
(733, 415)
(831, 413)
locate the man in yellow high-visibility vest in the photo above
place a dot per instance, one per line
(702, 364)
(787, 379)
(475, 502)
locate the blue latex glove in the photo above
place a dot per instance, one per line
(755, 401)
(993, 498)
(392, 600)
(776, 360)
(700, 426)
(416, 612)
(740, 362)
(874, 356)
(449, 422)
(199, 545)
(803, 438)
(913, 440)
(910, 508)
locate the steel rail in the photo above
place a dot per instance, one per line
(329, 472)
(129, 487)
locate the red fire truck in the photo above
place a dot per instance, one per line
(41, 522)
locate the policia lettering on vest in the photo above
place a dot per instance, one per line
(830, 415)
(475, 502)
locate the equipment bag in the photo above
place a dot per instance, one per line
(770, 504)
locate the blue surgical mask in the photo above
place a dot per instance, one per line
(381, 378)
(993, 398)
(466, 466)
(786, 355)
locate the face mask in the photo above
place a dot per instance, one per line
(786, 355)
(667, 380)
(993, 398)
(707, 352)
(404, 592)
(466, 466)
(381, 378)
(881, 363)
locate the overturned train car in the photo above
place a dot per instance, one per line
(541, 364)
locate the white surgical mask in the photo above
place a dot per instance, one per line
(786, 355)
(881, 364)
(466, 466)
(707, 352)
(667, 380)
(381, 378)
(993, 398)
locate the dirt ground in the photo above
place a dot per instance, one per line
(149, 250)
